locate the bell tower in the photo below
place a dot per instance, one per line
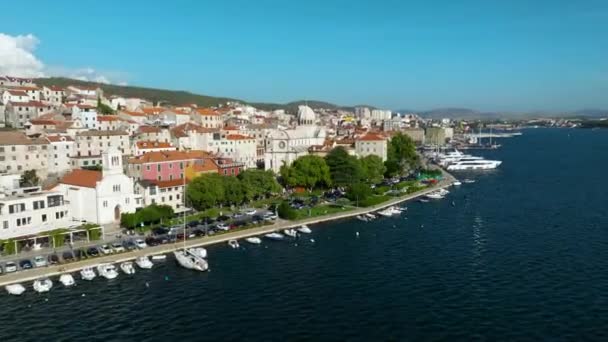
(112, 162)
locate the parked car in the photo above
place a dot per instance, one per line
(67, 256)
(130, 245)
(117, 248)
(222, 226)
(40, 261)
(10, 267)
(93, 251)
(25, 264)
(105, 249)
(141, 244)
(160, 231)
(152, 241)
(193, 223)
(53, 259)
(249, 212)
(223, 218)
(270, 216)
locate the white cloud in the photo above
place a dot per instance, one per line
(17, 59)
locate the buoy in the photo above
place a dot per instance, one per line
(147, 285)
(312, 240)
(357, 233)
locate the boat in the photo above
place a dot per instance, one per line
(435, 195)
(159, 257)
(254, 240)
(370, 216)
(423, 200)
(290, 232)
(457, 183)
(304, 229)
(15, 289)
(87, 273)
(144, 262)
(43, 285)
(198, 252)
(275, 236)
(190, 262)
(468, 181)
(395, 210)
(481, 164)
(362, 218)
(233, 243)
(127, 267)
(386, 212)
(67, 280)
(107, 271)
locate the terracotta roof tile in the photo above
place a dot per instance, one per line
(207, 111)
(371, 137)
(58, 138)
(237, 137)
(83, 178)
(107, 118)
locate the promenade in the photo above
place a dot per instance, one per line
(55, 270)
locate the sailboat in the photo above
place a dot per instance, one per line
(189, 258)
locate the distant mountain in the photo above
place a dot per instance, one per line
(591, 113)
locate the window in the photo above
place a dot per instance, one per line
(44, 218)
(38, 205)
(5, 225)
(177, 196)
(170, 198)
(147, 167)
(105, 204)
(171, 165)
(181, 165)
(158, 167)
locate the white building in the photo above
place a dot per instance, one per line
(61, 150)
(87, 115)
(18, 153)
(240, 148)
(100, 196)
(162, 193)
(380, 115)
(53, 95)
(371, 144)
(15, 96)
(362, 112)
(285, 146)
(143, 147)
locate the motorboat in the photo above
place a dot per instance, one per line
(144, 262)
(457, 183)
(435, 195)
(362, 218)
(198, 252)
(395, 210)
(304, 229)
(159, 257)
(481, 164)
(254, 240)
(370, 216)
(43, 285)
(386, 212)
(127, 267)
(290, 232)
(15, 289)
(423, 200)
(190, 262)
(107, 271)
(67, 280)
(275, 236)
(233, 244)
(87, 273)
(468, 181)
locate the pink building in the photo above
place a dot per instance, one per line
(164, 165)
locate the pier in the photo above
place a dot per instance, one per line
(56, 270)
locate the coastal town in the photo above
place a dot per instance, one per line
(85, 174)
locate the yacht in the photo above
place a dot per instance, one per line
(87, 273)
(198, 252)
(457, 183)
(481, 164)
(127, 267)
(423, 200)
(107, 271)
(144, 262)
(304, 229)
(362, 218)
(290, 232)
(233, 244)
(275, 236)
(435, 195)
(254, 240)
(190, 262)
(370, 216)
(159, 257)
(15, 289)
(468, 181)
(395, 210)
(43, 285)
(386, 212)
(67, 280)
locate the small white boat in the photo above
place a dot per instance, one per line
(370, 216)
(159, 257)
(304, 229)
(144, 262)
(233, 244)
(457, 183)
(275, 236)
(87, 273)
(386, 212)
(107, 271)
(127, 267)
(468, 181)
(43, 285)
(190, 262)
(435, 195)
(290, 232)
(254, 240)
(423, 200)
(67, 280)
(395, 210)
(15, 289)
(198, 252)
(362, 218)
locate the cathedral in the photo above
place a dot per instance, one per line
(285, 146)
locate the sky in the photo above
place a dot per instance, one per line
(487, 55)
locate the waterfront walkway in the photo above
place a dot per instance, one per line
(36, 273)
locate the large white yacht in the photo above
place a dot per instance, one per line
(480, 164)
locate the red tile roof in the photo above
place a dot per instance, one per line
(153, 110)
(17, 92)
(107, 118)
(207, 111)
(42, 122)
(130, 113)
(237, 137)
(230, 128)
(149, 129)
(82, 178)
(28, 104)
(371, 137)
(58, 138)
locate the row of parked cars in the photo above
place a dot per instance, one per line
(72, 255)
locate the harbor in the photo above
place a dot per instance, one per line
(31, 275)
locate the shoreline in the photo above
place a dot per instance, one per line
(56, 270)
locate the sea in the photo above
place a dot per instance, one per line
(519, 255)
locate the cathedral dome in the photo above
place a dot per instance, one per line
(306, 116)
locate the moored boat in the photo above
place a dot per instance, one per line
(468, 181)
(43, 285)
(15, 289)
(190, 262)
(159, 257)
(144, 262)
(107, 271)
(87, 273)
(233, 243)
(290, 232)
(304, 229)
(275, 236)
(362, 218)
(386, 212)
(370, 216)
(254, 240)
(67, 279)
(457, 183)
(127, 267)
(198, 252)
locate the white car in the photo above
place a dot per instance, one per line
(270, 217)
(222, 226)
(105, 249)
(117, 248)
(40, 261)
(249, 212)
(140, 244)
(10, 267)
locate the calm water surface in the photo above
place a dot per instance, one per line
(523, 255)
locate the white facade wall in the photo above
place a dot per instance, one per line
(375, 147)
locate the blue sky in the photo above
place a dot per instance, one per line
(488, 55)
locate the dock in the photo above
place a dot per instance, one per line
(56, 270)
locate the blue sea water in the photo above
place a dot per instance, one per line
(523, 255)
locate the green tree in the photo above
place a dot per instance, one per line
(344, 168)
(205, 191)
(373, 168)
(29, 178)
(286, 212)
(233, 191)
(358, 192)
(401, 157)
(307, 171)
(258, 183)
(130, 220)
(103, 108)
